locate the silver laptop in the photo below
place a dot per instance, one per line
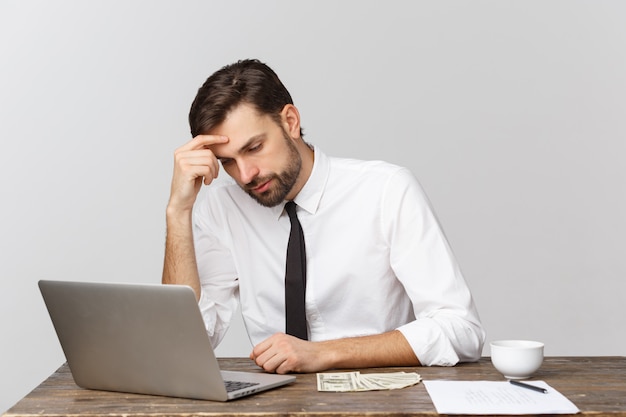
(145, 339)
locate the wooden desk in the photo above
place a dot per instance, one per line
(597, 385)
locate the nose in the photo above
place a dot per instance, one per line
(247, 171)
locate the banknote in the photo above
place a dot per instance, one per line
(356, 381)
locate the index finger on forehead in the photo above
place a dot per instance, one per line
(204, 141)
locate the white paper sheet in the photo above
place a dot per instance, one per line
(496, 397)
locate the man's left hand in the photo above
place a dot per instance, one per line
(282, 353)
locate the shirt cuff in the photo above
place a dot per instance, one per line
(216, 318)
(429, 342)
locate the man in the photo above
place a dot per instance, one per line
(382, 285)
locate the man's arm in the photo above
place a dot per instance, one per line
(447, 328)
(282, 353)
(180, 261)
(194, 164)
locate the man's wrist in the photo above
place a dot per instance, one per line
(334, 353)
(173, 212)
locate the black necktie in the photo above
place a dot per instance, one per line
(295, 278)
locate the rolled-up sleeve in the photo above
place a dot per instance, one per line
(447, 328)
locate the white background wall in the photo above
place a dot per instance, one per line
(511, 113)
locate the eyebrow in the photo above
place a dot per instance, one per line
(250, 141)
(245, 146)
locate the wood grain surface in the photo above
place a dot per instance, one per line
(597, 385)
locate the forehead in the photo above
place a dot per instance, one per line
(242, 124)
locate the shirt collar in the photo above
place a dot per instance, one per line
(311, 193)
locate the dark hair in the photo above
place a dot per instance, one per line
(247, 81)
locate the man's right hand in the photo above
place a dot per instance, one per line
(194, 164)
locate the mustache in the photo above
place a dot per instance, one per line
(258, 181)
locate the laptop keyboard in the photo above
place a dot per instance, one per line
(235, 385)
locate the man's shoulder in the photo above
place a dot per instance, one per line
(359, 167)
(373, 179)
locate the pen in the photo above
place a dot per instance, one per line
(529, 386)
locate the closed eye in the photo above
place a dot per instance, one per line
(255, 148)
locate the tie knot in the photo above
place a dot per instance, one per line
(290, 208)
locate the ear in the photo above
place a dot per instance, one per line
(291, 120)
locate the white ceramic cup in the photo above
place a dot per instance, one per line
(516, 359)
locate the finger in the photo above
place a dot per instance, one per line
(283, 367)
(270, 361)
(266, 355)
(189, 160)
(261, 348)
(204, 141)
(198, 158)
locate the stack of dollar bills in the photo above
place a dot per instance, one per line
(356, 381)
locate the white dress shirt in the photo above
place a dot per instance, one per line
(377, 260)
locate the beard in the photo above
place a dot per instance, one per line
(284, 181)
